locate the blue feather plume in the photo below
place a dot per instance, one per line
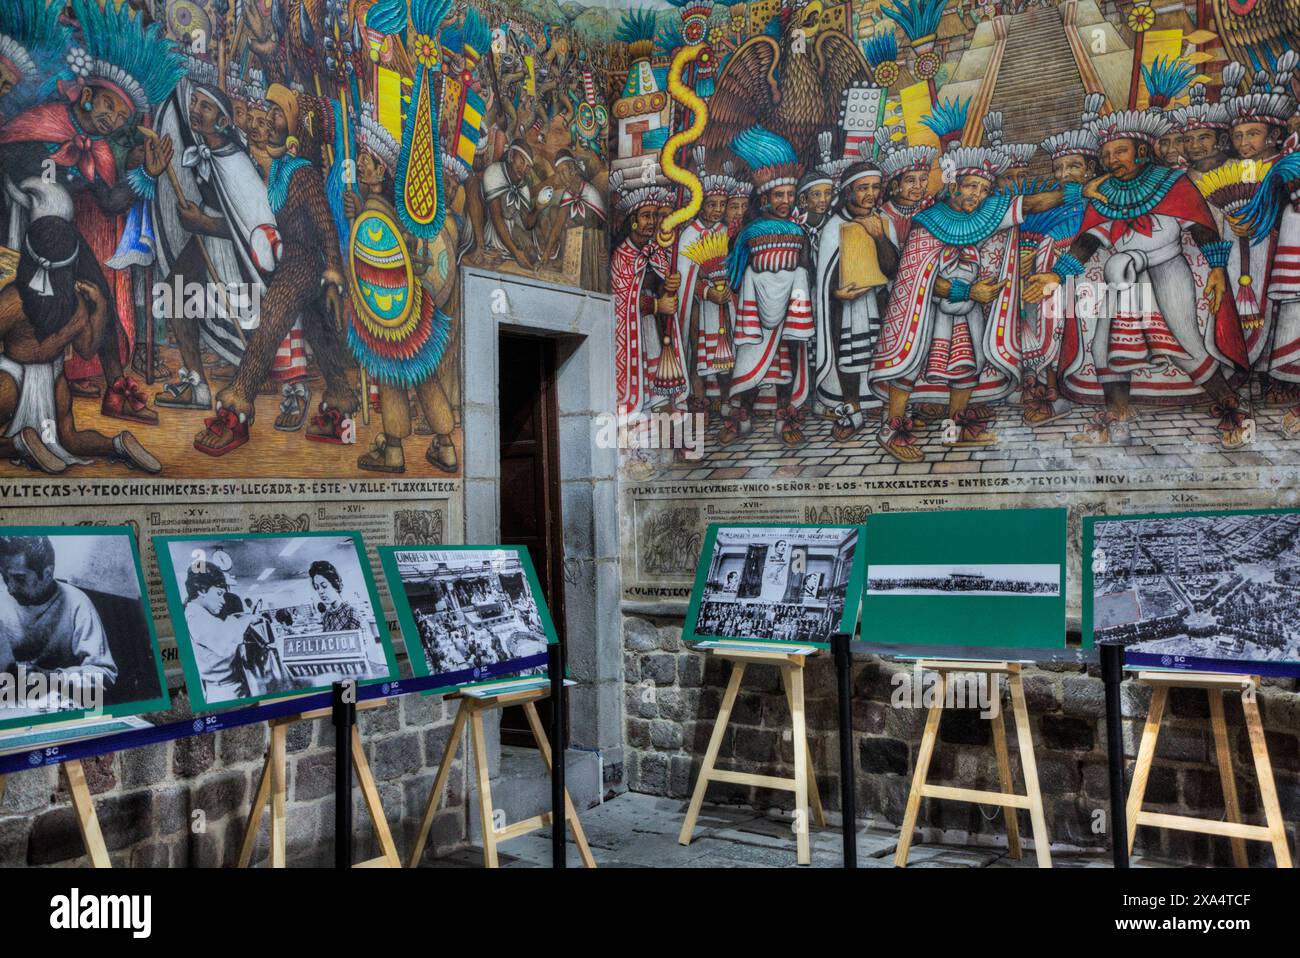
(113, 33)
(1264, 210)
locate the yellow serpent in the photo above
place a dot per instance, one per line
(688, 98)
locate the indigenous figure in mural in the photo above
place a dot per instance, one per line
(56, 301)
(705, 304)
(307, 285)
(219, 229)
(769, 271)
(399, 333)
(907, 184)
(950, 334)
(1140, 212)
(645, 296)
(87, 136)
(856, 258)
(1044, 237)
(1257, 124)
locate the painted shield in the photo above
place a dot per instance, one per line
(383, 283)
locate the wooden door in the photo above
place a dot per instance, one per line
(530, 482)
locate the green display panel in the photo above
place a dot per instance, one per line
(469, 614)
(76, 637)
(986, 582)
(774, 583)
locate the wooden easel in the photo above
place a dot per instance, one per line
(272, 787)
(1007, 798)
(804, 783)
(84, 809)
(470, 710)
(1215, 684)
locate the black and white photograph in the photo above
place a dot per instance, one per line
(270, 615)
(1206, 587)
(995, 578)
(75, 633)
(785, 584)
(475, 611)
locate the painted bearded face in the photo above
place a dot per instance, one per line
(644, 224)
(1122, 157)
(866, 192)
(912, 186)
(969, 192)
(1072, 169)
(780, 200)
(103, 111)
(1201, 145)
(1255, 141)
(1169, 148)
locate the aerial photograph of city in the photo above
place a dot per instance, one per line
(1221, 587)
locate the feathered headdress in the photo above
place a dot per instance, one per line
(1018, 154)
(1166, 77)
(373, 138)
(1080, 142)
(630, 199)
(988, 161)
(116, 51)
(1269, 100)
(1200, 113)
(714, 184)
(769, 156)
(1145, 126)
(735, 185)
(897, 159)
(32, 41)
(947, 120)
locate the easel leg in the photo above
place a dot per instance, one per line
(814, 794)
(1228, 780)
(373, 805)
(794, 680)
(87, 820)
(279, 736)
(1037, 820)
(711, 754)
(486, 822)
(439, 782)
(254, 822)
(923, 756)
(1267, 786)
(1146, 752)
(571, 813)
(999, 723)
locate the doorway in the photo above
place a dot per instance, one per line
(530, 485)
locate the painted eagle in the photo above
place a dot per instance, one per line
(791, 84)
(1256, 32)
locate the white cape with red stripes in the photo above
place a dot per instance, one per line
(773, 327)
(1284, 294)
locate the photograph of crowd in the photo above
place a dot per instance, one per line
(271, 615)
(987, 579)
(1220, 587)
(785, 584)
(75, 636)
(475, 612)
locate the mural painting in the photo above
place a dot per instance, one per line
(919, 253)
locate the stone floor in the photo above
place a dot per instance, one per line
(640, 831)
(1162, 438)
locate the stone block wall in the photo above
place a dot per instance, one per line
(184, 803)
(673, 695)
